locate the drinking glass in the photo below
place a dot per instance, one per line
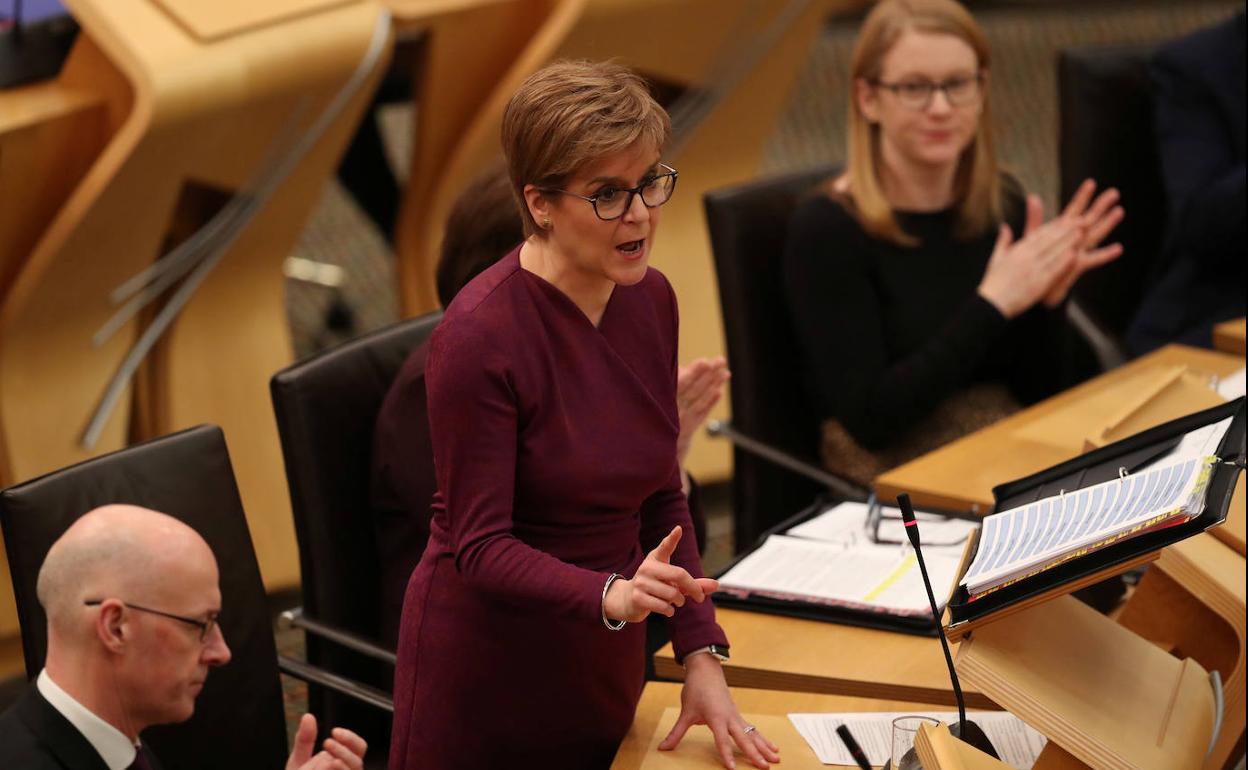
(904, 730)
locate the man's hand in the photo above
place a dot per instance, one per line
(343, 751)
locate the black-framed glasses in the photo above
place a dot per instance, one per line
(961, 91)
(205, 626)
(611, 202)
(893, 525)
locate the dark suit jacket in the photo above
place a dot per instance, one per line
(1200, 116)
(35, 736)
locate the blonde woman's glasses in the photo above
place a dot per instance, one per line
(961, 91)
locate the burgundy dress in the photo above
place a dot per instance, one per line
(554, 445)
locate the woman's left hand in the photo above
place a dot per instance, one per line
(705, 700)
(1097, 218)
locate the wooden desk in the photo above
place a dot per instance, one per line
(794, 752)
(779, 653)
(1228, 336)
(960, 475)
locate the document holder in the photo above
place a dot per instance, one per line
(964, 613)
(919, 625)
(1109, 698)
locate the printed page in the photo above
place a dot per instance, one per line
(1018, 744)
(1231, 386)
(1202, 442)
(859, 574)
(1023, 539)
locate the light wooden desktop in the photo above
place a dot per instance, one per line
(1228, 336)
(960, 475)
(782, 653)
(770, 706)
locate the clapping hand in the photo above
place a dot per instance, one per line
(1097, 221)
(343, 751)
(658, 586)
(699, 387)
(1046, 261)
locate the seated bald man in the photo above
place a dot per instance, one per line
(132, 599)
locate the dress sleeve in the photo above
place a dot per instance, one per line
(474, 426)
(838, 319)
(693, 626)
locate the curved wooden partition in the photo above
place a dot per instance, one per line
(167, 111)
(682, 43)
(1192, 603)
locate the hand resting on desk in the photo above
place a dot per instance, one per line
(705, 700)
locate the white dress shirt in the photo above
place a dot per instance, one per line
(111, 744)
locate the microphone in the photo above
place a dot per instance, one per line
(966, 731)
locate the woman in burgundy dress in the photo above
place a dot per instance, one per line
(558, 522)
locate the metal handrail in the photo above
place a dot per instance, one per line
(836, 484)
(312, 674)
(297, 619)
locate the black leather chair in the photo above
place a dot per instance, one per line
(1107, 134)
(770, 403)
(326, 407)
(238, 719)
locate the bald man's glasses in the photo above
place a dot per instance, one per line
(205, 626)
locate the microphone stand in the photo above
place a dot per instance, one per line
(966, 731)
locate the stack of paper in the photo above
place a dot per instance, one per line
(1018, 744)
(1026, 540)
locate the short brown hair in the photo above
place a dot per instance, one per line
(978, 181)
(571, 113)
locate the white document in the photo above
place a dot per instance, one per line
(856, 574)
(1231, 386)
(1031, 537)
(846, 523)
(1018, 744)
(1202, 442)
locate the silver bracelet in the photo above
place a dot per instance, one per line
(619, 624)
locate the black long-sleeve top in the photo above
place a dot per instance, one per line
(889, 331)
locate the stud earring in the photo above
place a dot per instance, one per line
(546, 223)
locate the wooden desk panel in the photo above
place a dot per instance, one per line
(659, 696)
(780, 653)
(1228, 336)
(960, 475)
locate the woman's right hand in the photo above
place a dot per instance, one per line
(1021, 273)
(658, 586)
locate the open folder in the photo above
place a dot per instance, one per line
(848, 563)
(1100, 514)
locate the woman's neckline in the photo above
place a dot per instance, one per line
(550, 287)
